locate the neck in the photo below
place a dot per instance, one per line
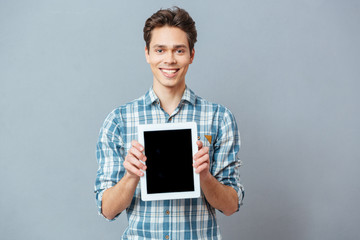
(169, 97)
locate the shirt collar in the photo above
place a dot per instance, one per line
(188, 96)
(151, 97)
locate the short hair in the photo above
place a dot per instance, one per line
(172, 17)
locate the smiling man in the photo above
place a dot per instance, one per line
(170, 36)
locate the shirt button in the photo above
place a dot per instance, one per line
(167, 237)
(167, 212)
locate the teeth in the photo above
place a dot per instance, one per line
(169, 71)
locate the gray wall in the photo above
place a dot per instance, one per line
(288, 70)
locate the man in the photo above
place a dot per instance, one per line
(170, 36)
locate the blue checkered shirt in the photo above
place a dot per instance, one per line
(169, 219)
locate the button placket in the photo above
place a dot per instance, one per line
(167, 216)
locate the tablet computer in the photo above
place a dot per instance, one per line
(169, 149)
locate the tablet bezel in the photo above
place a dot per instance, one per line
(145, 196)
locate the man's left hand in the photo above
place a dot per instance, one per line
(202, 160)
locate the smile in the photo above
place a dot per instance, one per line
(169, 72)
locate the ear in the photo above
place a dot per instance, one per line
(147, 54)
(192, 55)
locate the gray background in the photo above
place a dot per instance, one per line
(288, 70)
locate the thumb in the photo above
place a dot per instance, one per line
(200, 144)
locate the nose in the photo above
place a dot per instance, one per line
(170, 58)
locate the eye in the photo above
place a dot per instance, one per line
(180, 51)
(159, 51)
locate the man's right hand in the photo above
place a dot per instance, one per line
(117, 198)
(132, 162)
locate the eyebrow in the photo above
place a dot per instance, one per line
(174, 46)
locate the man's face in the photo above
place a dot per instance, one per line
(169, 57)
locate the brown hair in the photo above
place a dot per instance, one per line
(175, 17)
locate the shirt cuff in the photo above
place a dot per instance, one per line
(239, 190)
(99, 196)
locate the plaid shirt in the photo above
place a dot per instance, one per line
(169, 219)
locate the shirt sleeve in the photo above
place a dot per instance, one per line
(226, 161)
(109, 153)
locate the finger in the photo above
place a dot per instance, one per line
(135, 162)
(203, 151)
(138, 154)
(203, 167)
(200, 144)
(131, 169)
(200, 169)
(202, 160)
(137, 145)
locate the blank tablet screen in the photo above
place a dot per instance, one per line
(169, 161)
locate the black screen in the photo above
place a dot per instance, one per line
(169, 161)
